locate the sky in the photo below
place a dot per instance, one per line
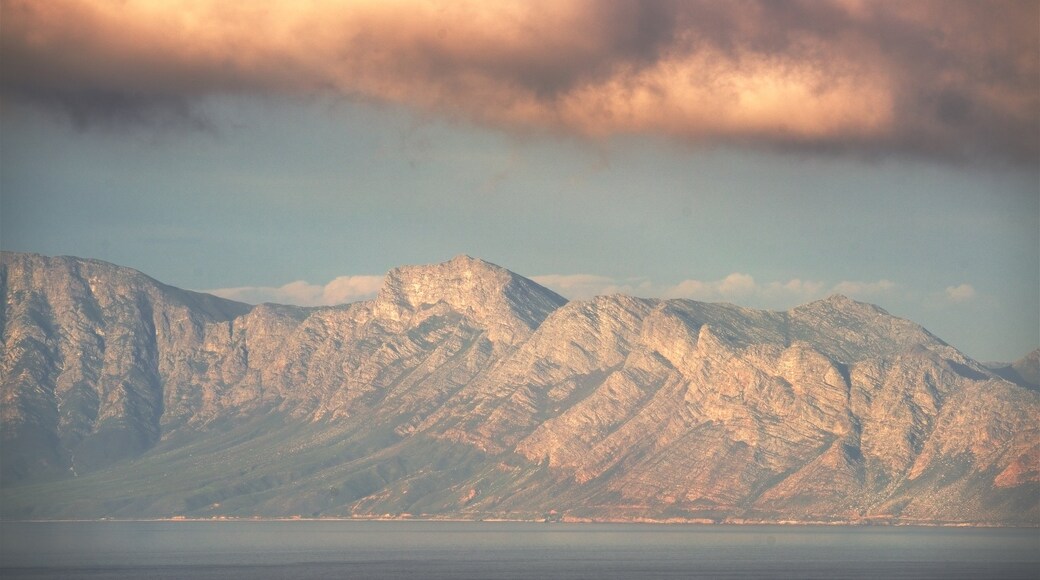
(761, 153)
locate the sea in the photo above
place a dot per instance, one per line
(262, 550)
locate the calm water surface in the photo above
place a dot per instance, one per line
(385, 550)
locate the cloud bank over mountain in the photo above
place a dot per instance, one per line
(737, 287)
(341, 290)
(951, 80)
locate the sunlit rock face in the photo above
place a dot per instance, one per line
(466, 390)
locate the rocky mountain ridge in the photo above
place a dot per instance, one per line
(466, 390)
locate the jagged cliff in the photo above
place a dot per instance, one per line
(466, 390)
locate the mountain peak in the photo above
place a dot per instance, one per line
(853, 330)
(470, 260)
(42, 274)
(837, 299)
(843, 306)
(843, 302)
(490, 294)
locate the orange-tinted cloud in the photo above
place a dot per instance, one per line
(947, 78)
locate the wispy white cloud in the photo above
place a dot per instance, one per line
(744, 289)
(734, 286)
(737, 287)
(960, 293)
(795, 289)
(865, 289)
(583, 286)
(341, 290)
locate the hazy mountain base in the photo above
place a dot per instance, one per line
(251, 471)
(450, 397)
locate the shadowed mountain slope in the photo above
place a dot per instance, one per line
(1024, 372)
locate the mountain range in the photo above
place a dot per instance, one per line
(467, 391)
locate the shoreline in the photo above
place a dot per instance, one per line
(563, 521)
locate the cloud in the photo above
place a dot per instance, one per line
(960, 293)
(939, 78)
(733, 286)
(866, 289)
(737, 287)
(341, 290)
(744, 289)
(584, 286)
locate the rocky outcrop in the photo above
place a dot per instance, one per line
(466, 390)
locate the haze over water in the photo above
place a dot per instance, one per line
(385, 550)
